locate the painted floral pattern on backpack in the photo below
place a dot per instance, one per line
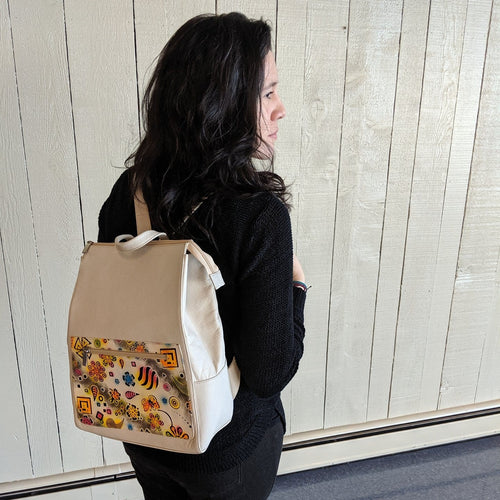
(135, 386)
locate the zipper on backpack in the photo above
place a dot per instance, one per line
(88, 351)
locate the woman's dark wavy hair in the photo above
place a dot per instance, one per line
(201, 114)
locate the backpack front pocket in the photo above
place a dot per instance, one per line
(131, 386)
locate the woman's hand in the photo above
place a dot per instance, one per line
(298, 272)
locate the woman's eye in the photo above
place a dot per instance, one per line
(268, 95)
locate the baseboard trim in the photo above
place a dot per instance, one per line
(315, 449)
(385, 427)
(375, 442)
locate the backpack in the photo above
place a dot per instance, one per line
(146, 346)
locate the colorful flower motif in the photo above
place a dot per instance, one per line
(129, 379)
(87, 421)
(141, 347)
(133, 412)
(97, 372)
(114, 394)
(177, 432)
(155, 421)
(120, 410)
(150, 403)
(107, 360)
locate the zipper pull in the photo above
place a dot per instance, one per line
(86, 355)
(86, 247)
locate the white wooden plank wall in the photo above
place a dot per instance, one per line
(391, 144)
(370, 83)
(472, 369)
(411, 58)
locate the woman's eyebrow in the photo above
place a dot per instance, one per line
(270, 85)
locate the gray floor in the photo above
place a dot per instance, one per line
(468, 470)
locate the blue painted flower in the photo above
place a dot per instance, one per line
(129, 379)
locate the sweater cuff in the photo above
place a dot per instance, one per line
(299, 299)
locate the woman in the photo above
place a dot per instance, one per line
(211, 106)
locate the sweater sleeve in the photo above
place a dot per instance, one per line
(269, 342)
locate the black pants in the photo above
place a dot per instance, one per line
(253, 479)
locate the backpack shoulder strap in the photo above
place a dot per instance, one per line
(142, 219)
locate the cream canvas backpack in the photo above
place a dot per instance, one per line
(146, 346)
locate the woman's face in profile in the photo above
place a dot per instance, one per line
(271, 108)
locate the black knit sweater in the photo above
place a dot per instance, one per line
(261, 312)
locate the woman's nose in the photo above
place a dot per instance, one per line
(279, 111)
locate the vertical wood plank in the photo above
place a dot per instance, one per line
(471, 370)
(419, 344)
(373, 45)
(21, 261)
(469, 90)
(101, 53)
(50, 159)
(15, 461)
(488, 385)
(487, 189)
(406, 114)
(314, 87)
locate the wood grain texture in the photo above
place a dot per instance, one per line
(487, 189)
(22, 268)
(15, 460)
(403, 142)
(471, 370)
(457, 181)
(52, 173)
(313, 153)
(420, 340)
(101, 52)
(371, 70)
